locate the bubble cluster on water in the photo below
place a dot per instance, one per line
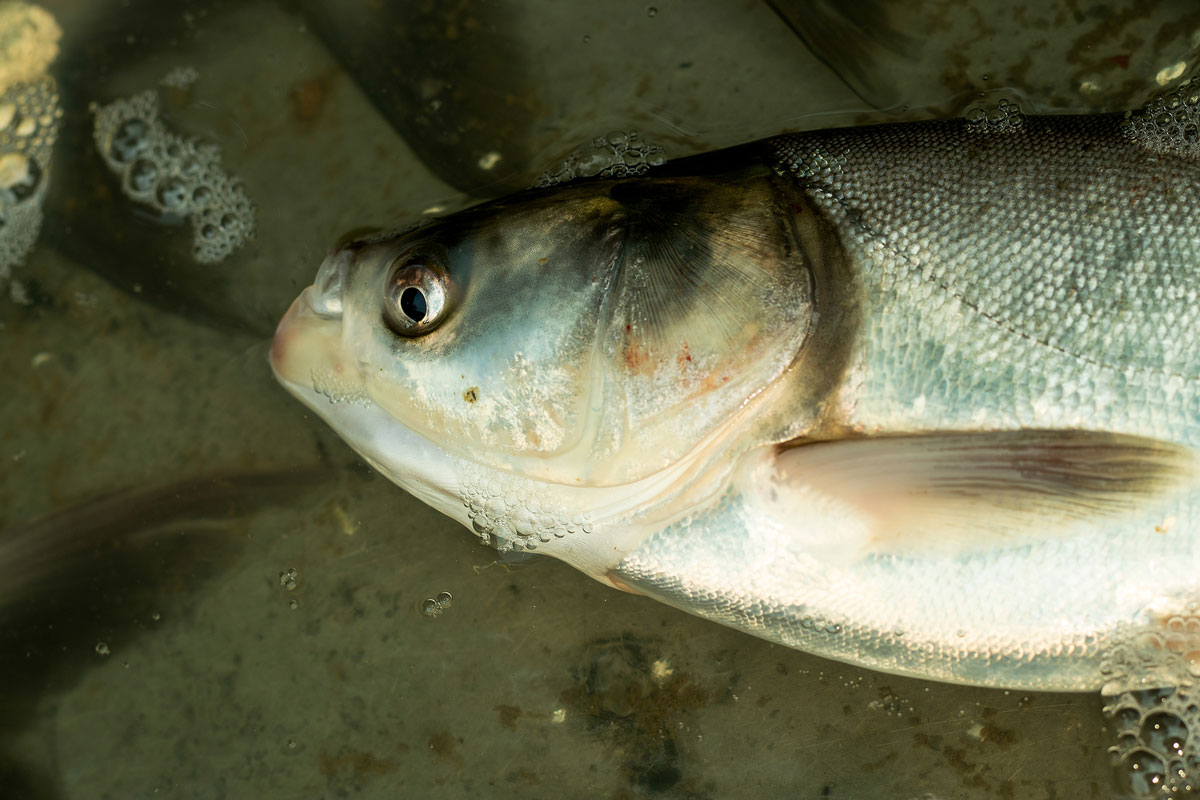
(1171, 121)
(1001, 115)
(178, 177)
(29, 37)
(30, 116)
(288, 579)
(1154, 706)
(507, 514)
(180, 77)
(1156, 754)
(1165, 655)
(434, 606)
(615, 155)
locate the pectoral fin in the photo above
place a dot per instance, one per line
(959, 491)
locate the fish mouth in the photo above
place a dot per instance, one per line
(306, 358)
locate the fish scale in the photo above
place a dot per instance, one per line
(1122, 279)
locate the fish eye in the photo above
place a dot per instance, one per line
(419, 293)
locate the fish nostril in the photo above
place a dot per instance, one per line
(326, 295)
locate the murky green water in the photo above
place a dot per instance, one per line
(224, 601)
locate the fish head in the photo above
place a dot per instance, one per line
(592, 335)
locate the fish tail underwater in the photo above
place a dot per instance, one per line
(848, 380)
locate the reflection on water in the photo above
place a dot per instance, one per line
(185, 611)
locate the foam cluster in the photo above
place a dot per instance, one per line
(30, 115)
(179, 178)
(1170, 122)
(617, 155)
(1153, 702)
(999, 116)
(1156, 754)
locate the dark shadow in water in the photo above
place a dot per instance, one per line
(99, 571)
(857, 41)
(450, 78)
(142, 253)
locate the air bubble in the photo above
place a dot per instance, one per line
(1153, 726)
(26, 127)
(209, 231)
(19, 174)
(1169, 122)
(180, 77)
(287, 578)
(142, 175)
(1164, 732)
(1141, 773)
(1128, 717)
(1000, 115)
(130, 140)
(617, 154)
(593, 162)
(102, 648)
(434, 606)
(171, 193)
(201, 196)
(651, 11)
(228, 223)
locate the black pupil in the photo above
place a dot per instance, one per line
(412, 303)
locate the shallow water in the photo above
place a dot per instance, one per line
(249, 616)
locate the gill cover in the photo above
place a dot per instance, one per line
(601, 330)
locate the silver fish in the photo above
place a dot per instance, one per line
(923, 397)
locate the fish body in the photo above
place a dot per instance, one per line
(920, 397)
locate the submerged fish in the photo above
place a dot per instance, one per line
(920, 397)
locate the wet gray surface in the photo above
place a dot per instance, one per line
(169, 650)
